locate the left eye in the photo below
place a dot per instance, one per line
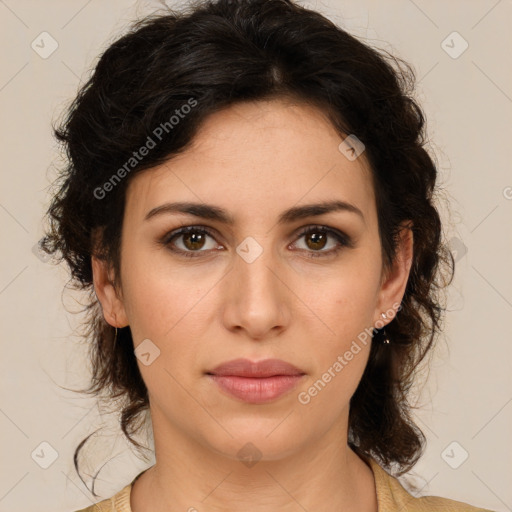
(316, 239)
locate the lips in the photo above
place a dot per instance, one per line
(260, 369)
(256, 382)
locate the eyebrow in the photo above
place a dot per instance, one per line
(212, 212)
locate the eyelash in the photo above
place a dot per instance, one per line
(343, 240)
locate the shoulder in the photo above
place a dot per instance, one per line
(392, 497)
(120, 502)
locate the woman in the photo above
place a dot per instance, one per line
(249, 202)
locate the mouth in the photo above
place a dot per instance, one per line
(256, 382)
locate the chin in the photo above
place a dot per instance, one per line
(254, 441)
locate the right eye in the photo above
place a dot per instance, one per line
(189, 241)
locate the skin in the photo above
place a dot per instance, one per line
(254, 160)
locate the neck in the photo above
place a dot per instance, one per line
(325, 475)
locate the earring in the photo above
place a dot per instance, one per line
(385, 336)
(115, 338)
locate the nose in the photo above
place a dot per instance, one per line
(256, 298)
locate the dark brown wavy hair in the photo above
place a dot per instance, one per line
(216, 54)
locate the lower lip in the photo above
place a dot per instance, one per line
(257, 390)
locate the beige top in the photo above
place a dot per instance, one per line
(391, 497)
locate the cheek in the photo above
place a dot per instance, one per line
(327, 394)
(344, 302)
(347, 310)
(158, 297)
(164, 306)
(344, 297)
(346, 307)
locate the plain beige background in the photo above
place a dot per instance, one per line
(467, 403)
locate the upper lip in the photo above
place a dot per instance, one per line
(264, 368)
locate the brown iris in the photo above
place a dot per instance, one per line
(318, 240)
(194, 240)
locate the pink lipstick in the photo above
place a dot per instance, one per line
(256, 382)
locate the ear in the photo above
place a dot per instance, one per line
(394, 280)
(111, 304)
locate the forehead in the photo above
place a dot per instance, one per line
(257, 158)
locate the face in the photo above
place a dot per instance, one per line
(257, 275)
